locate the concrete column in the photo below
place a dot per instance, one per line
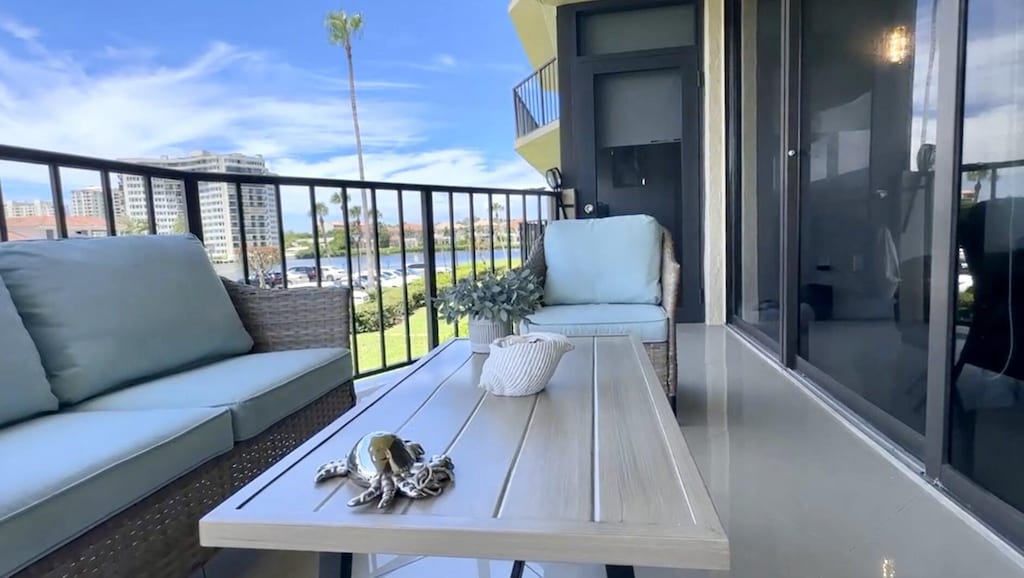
(714, 162)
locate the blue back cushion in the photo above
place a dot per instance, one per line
(24, 390)
(109, 311)
(611, 260)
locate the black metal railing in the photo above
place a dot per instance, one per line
(536, 99)
(395, 251)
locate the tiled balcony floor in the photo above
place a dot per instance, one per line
(800, 492)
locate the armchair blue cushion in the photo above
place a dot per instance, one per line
(611, 260)
(648, 322)
(110, 311)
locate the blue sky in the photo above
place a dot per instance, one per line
(119, 78)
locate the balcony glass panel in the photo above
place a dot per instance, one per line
(987, 404)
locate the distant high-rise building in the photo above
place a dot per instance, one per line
(88, 202)
(36, 208)
(216, 202)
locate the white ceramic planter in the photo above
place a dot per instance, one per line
(482, 332)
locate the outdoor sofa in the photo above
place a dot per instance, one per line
(138, 390)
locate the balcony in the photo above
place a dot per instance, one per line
(799, 490)
(536, 103)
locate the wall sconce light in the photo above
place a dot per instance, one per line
(896, 45)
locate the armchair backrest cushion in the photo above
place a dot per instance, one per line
(107, 312)
(610, 260)
(24, 390)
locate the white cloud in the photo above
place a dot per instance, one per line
(228, 100)
(445, 61)
(18, 30)
(451, 167)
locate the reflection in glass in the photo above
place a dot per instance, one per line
(987, 404)
(868, 133)
(758, 266)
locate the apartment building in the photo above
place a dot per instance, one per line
(88, 202)
(36, 208)
(218, 205)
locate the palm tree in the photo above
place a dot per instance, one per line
(356, 214)
(322, 210)
(496, 209)
(342, 28)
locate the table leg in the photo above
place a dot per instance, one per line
(517, 569)
(619, 571)
(335, 565)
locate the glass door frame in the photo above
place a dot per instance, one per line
(929, 453)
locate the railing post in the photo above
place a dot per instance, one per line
(147, 184)
(430, 264)
(108, 203)
(243, 245)
(3, 217)
(193, 210)
(58, 202)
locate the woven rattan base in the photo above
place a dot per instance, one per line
(158, 537)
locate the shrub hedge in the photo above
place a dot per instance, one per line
(366, 317)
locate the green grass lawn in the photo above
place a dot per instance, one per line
(368, 344)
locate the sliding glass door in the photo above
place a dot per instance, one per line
(877, 222)
(986, 426)
(758, 233)
(867, 150)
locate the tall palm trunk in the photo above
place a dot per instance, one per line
(362, 174)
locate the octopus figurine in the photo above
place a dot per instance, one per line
(386, 465)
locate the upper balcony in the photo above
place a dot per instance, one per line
(536, 102)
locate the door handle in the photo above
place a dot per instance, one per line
(588, 208)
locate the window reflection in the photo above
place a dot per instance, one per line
(987, 405)
(758, 260)
(868, 130)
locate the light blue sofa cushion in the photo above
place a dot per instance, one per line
(648, 322)
(64, 473)
(106, 312)
(260, 389)
(611, 260)
(24, 390)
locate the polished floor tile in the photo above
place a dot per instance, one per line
(801, 493)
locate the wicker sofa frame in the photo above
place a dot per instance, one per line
(158, 536)
(662, 355)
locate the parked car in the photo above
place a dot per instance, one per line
(308, 271)
(271, 279)
(297, 277)
(391, 279)
(416, 269)
(331, 273)
(360, 297)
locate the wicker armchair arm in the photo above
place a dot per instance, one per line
(669, 298)
(669, 276)
(302, 318)
(535, 262)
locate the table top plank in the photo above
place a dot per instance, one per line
(435, 425)
(294, 488)
(633, 480)
(553, 478)
(487, 450)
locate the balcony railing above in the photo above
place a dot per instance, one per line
(536, 99)
(396, 245)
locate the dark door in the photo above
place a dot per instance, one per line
(642, 148)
